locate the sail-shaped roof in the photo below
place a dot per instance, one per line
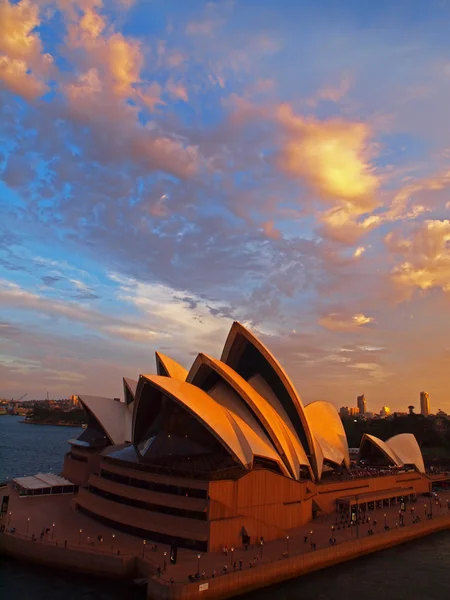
(384, 447)
(279, 431)
(225, 423)
(109, 413)
(251, 359)
(328, 429)
(407, 449)
(168, 367)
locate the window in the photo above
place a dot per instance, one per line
(167, 510)
(154, 486)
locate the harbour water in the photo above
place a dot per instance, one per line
(418, 571)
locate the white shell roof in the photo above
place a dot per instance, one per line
(283, 436)
(131, 385)
(239, 330)
(109, 413)
(328, 430)
(407, 449)
(173, 369)
(225, 423)
(247, 416)
(384, 447)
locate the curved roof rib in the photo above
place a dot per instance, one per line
(407, 449)
(383, 447)
(109, 413)
(227, 426)
(281, 434)
(328, 429)
(167, 367)
(250, 358)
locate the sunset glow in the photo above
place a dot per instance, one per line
(168, 167)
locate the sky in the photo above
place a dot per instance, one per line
(168, 166)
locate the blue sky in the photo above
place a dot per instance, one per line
(168, 167)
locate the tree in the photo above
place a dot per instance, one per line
(411, 409)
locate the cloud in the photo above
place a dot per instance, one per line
(359, 251)
(173, 312)
(271, 231)
(108, 92)
(23, 64)
(177, 90)
(403, 198)
(206, 27)
(332, 157)
(342, 322)
(342, 225)
(18, 298)
(332, 93)
(426, 254)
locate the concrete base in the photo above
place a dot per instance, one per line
(240, 582)
(220, 587)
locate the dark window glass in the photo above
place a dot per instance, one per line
(154, 536)
(154, 486)
(167, 510)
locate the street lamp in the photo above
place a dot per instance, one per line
(261, 543)
(198, 563)
(112, 543)
(53, 530)
(311, 534)
(165, 562)
(143, 547)
(9, 518)
(425, 509)
(232, 555)
(79, 536)
(287, 544)
(28, 524)
(385, 522)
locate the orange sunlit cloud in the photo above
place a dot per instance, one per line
(340, 322)
(426, 254)
(332, 157)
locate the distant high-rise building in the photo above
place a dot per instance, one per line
(343, 411)
(424, 403)
(353, 411)
(385, 411)
(361, 404)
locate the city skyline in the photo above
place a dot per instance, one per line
(170, 167)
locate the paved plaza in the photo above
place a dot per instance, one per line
(29, 516)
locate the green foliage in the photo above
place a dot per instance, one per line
(430, 433)
(43, 413)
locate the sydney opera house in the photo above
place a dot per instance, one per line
(226, 454)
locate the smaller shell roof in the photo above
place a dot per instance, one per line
(109, 413)
(407, 449)
(131, 385)
(170, 366)
(383, 447)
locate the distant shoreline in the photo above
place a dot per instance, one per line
(56, 424)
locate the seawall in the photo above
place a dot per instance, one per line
(71, 558)
(233, 584)
(219, 588)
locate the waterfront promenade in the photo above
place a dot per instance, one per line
(72, 540)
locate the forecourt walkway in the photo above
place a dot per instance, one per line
(70, 530)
